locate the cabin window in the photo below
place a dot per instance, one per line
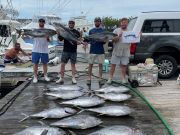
(4, 31)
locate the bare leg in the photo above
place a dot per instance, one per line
(45, 69)
(111, 72)
(62, 69)
(123, 71)
(35, 68)
(100, 71)
(73, 68)
(90, 71)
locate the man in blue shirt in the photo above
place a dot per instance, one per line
(96, 51)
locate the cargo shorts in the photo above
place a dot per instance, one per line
(99, 57)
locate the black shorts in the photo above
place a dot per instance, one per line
(66, 56)
(15, 60)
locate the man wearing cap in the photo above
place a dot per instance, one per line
(69, 53)
(40, 52)
(96, 51)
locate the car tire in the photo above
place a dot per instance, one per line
(167, 66)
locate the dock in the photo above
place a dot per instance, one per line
(23, 100)
(166, 100)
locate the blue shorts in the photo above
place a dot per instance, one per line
(37, 56)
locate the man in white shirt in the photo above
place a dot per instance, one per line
(40, 51)
(121, 52)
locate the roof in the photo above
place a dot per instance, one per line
(160, 14)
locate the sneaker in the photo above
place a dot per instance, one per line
(46, 78)
(101, 81)
(74, 80)
(109, 81)
(88, 82)
(61, 80)
(35, 80)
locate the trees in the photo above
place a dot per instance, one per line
(110, 23)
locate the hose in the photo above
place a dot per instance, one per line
(138, 93)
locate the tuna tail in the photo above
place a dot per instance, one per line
(44, 132)
(26, 117)
(81, 109)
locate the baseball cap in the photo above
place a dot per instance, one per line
(41, 20)
(97, 19)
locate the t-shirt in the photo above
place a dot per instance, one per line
(120, 49)
(40, 45)
(70, 46)
(96, 47)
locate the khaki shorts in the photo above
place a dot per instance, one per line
(120, 60)
(99, 57)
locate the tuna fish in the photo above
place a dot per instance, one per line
(37, 32)
(112, 110)
(64, 87)
(65, 94)
(78, 122)
(41, 130)
(101, 36)
(117, 97)
(53, 113)
(117, 130)
(114, 89)
(66, 33)
(84, 101)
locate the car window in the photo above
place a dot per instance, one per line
(158, 26)
(177, 25)
(131, 24)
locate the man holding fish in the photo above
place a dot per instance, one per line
(40, 52)
(96, 50)
(69, 52)
(121, 52)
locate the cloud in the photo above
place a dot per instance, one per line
(91, 8)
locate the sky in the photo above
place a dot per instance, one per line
(91, 8)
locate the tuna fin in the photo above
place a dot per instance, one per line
(44, 132)
(34, 98)
(100, 114)
(44, 118)
(71, 132)
(42, 123)
(81, 109)
(26, 117)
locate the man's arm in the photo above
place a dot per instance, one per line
(60, 38)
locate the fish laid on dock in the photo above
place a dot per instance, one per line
(78, 122)
(64, 87)
(112, 110)
(59, 112)
(65, 94)
(117, 130)
(84, 101)
(109, 89)
(116, 97)
(41, 130)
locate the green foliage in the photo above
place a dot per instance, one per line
(110, 23)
